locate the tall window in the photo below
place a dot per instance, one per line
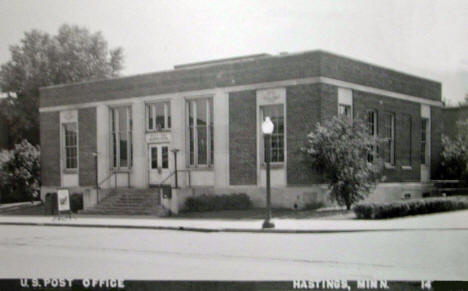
(165, 157)
(154, 157)
(389, 135)
(424, 123)
(345, 103)
(406, 125)
(345, 111)
(276, 114)
(372, 127)
(200, 132)
(158, 116)
(121, 137)
(70, 145)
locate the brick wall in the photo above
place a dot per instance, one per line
(436, 138)
(182, 80)
(362, 102)
(358, 72)
(50, 148)
(87, 145)
(323, 101)
(243, 138)
(269, 69)
(303, 110)
(329, 102)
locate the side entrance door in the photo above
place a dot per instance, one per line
(158, 163)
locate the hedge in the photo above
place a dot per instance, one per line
(409, 207)
(217, 202)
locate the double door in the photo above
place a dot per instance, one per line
(159, 163)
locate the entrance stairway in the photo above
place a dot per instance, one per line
(129, 201)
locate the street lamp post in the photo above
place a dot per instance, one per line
(175, 151)
(267, 129)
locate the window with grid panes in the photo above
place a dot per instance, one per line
(70, 131)
(276, 114)
(121, 137)
(200, 132)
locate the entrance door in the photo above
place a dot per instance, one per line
(158, 164)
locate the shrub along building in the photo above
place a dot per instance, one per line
(211, 114)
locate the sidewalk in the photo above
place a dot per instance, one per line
(457, 220)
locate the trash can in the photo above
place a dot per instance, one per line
(51, 207)
(76, 202)
(166, 191)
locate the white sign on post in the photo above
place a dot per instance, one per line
(63, 200)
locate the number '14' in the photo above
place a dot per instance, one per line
(426, 285)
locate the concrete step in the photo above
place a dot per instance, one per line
(126, 201)
(148, 211)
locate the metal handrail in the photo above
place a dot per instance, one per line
(188, 171)
(174, 172)
(107, 178)
(170, 175)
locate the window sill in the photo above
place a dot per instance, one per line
(70, 171)
(200, 168)
(389, 166)
(407, 168)
(159, 130)
(120, 170)
(273, 165)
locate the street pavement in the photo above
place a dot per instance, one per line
(413, 248)
(141, 254)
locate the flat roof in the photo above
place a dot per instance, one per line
(221, 61)
(239, 59)
(243, 70)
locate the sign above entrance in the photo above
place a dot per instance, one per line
(158, 137)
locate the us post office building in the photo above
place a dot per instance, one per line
(205, 119)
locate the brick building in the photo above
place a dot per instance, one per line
(211, 113)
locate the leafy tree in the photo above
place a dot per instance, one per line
(340, 151)
(462, 130)
(73, 55)
(19, 173)
(453, 163)
(464, 101)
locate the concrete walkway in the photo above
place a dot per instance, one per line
(456, 220)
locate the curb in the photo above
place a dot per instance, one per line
(232, 230)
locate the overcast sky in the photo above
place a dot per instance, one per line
(426, 38)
